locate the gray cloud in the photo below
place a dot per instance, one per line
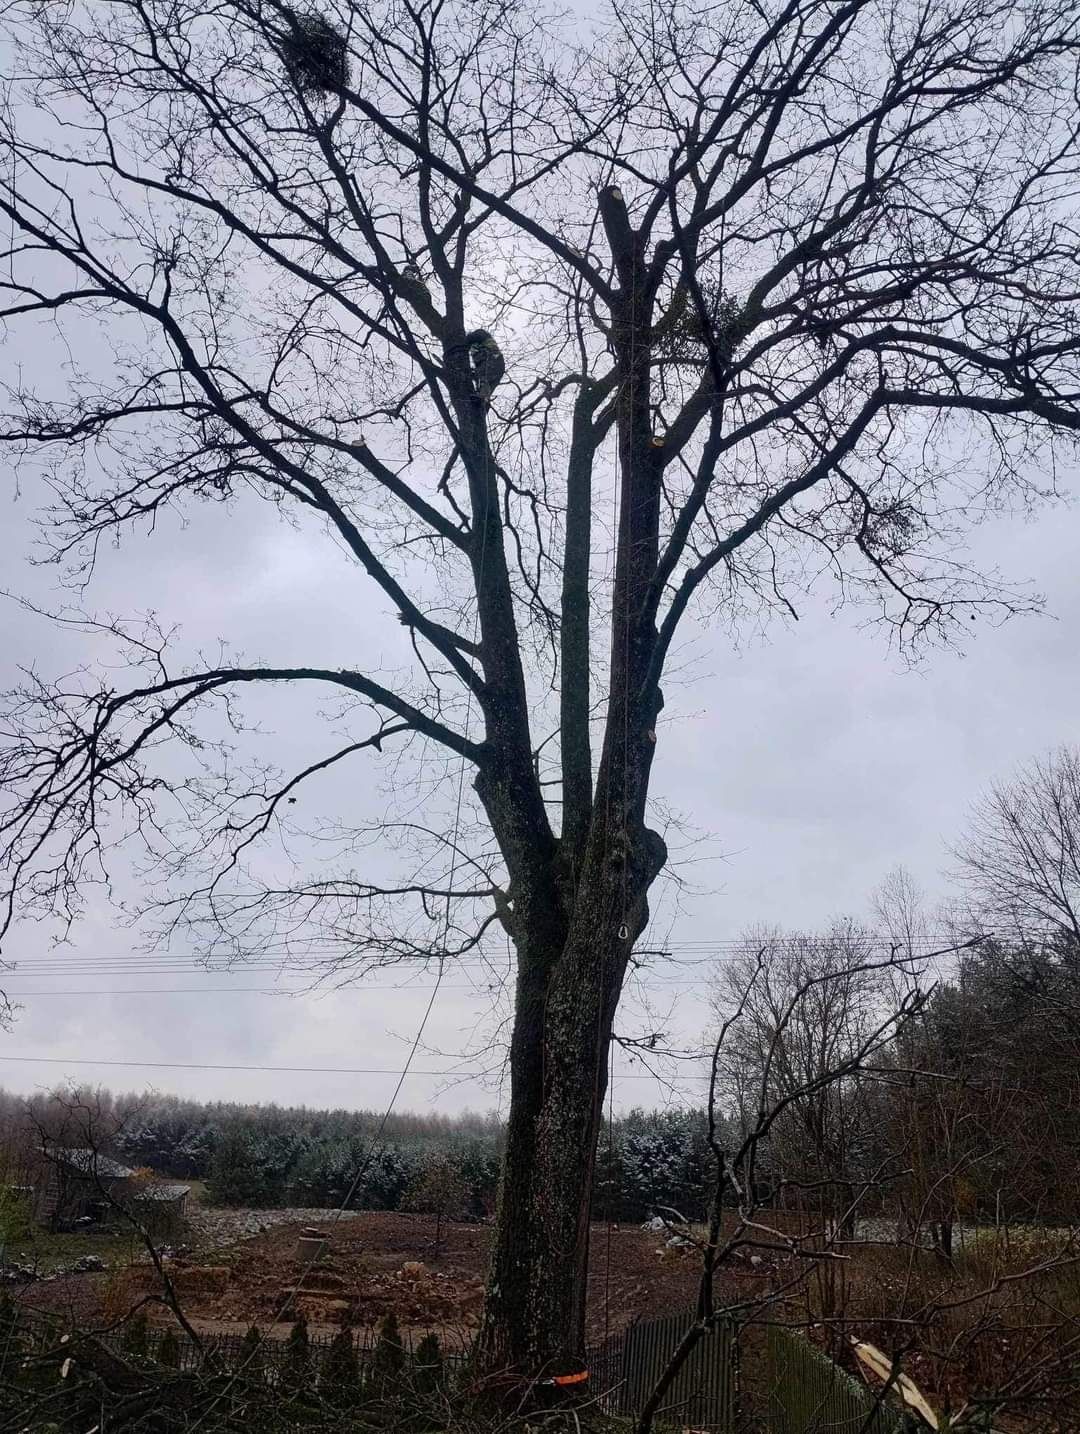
(815, 757)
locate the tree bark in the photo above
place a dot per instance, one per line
(534, 1317)
(534, 1314)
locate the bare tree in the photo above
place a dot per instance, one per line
(1019, 863)
(805, 1004)
(551, 335)
(764, 1026)
(899, 909)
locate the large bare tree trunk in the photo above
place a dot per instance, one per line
(534, 1322)
(534, 1317)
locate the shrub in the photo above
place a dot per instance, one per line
(427, 1366)
(16, 1216)
(387, 1360)
(340, 1382)
(123, 1288)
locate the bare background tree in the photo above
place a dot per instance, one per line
(898, 1126)
(898, 907)
(799, 1007)
(552, 336)
(1019, 862)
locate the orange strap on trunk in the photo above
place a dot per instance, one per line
(564, 1379)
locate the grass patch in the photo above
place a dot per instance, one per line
(988, 1252)
(49, 1250)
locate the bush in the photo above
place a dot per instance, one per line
(123, 1288)
(427, 1364)
(16, 1216)
(387, 1360)
(340, 1381)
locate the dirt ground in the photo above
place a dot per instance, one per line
(243, 1269)
(376, 1263)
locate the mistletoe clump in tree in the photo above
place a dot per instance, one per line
(768, 293)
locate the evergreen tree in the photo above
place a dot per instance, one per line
(427, 1364)
(234, 1171)
(252, 1364)
(136, 1335)
(340, 1382)
(169, 1350)
(296, 1375)
(387, 1359)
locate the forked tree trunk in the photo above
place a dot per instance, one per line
(577, 913)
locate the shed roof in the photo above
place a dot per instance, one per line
(89, 1162)
(164, 1190)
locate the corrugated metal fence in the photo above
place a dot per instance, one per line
(809, 1394)
(703, 1395)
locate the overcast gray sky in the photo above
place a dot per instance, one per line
(807, 761)
(810, 761)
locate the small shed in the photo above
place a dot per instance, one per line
(170, 1197)
(79, 1184)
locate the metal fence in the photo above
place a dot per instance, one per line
(809, 1394)
(704, 1392)
(623, 1371)
(231, 1351)
(806, 1392)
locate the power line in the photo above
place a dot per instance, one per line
(477, 990)
(249, 990)
(195, 991)
(331, 962)
(652, 976)
(285, 1070)
(714, 956)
